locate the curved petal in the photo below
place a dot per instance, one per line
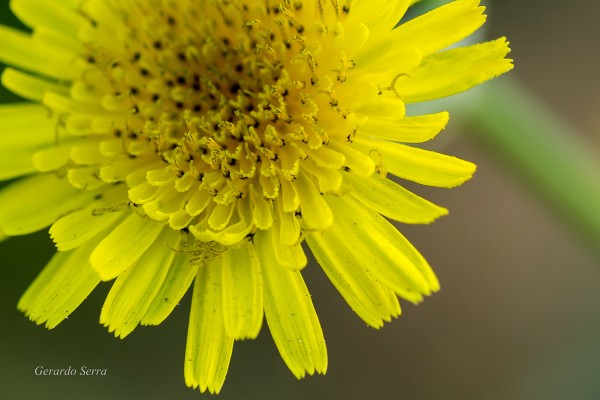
(61, 287)
(209, 346)
(376, 243)
(369, 298)
(27, 129)
(178, 280)
(48, 13)
(415, 129)
(20, 50)
(290, 314)
(124, 246)
(135, 289)
(78, 227)
(24, 210)
(392, 200)
(453, 71)
(418, 165)
(28, 86)
(316, 214)
(440, 27)
(379, 15)
(242, 292)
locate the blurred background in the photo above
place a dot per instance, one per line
(518, 316)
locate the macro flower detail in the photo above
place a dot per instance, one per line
(202, 143)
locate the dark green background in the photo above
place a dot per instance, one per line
(518, 316)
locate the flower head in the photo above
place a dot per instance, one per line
(205, 141)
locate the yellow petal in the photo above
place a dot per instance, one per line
(52, 158)
(20, 50)
(120, 168)
(316, 214)
(326, 157)
(209, 347)
(24, 210)
(54, 38)
(220, 216)
(142, 193)
(124, 246)
(440, 27)
(453, 71)
(289, 226)
(135, 289)
(289, 196)
(358, 161)
(65, 103)
(175, 285)
(379, 15)
(380, 64)
(22, 164)
(238, 228)
(269, 185)
(28, 86)
(180, 219)
(416, 129)
(262, 211)
(290, 256)
(328, 179)
(381, 107)
(242, 292)
(78, 227)
(104, 14)
(48, 13)
(290, 314)
(370, 299)
(27, 129)
(160, 176)
(418, 165)
(164, 204)
(198, 202)
(60, 288)
(86, 152)
(376, 243)
(392, 200)
(84, 178)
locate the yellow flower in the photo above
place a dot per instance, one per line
(169, 141)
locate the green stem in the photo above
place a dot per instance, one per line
(547, 153)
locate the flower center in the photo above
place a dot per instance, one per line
(221, 102)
